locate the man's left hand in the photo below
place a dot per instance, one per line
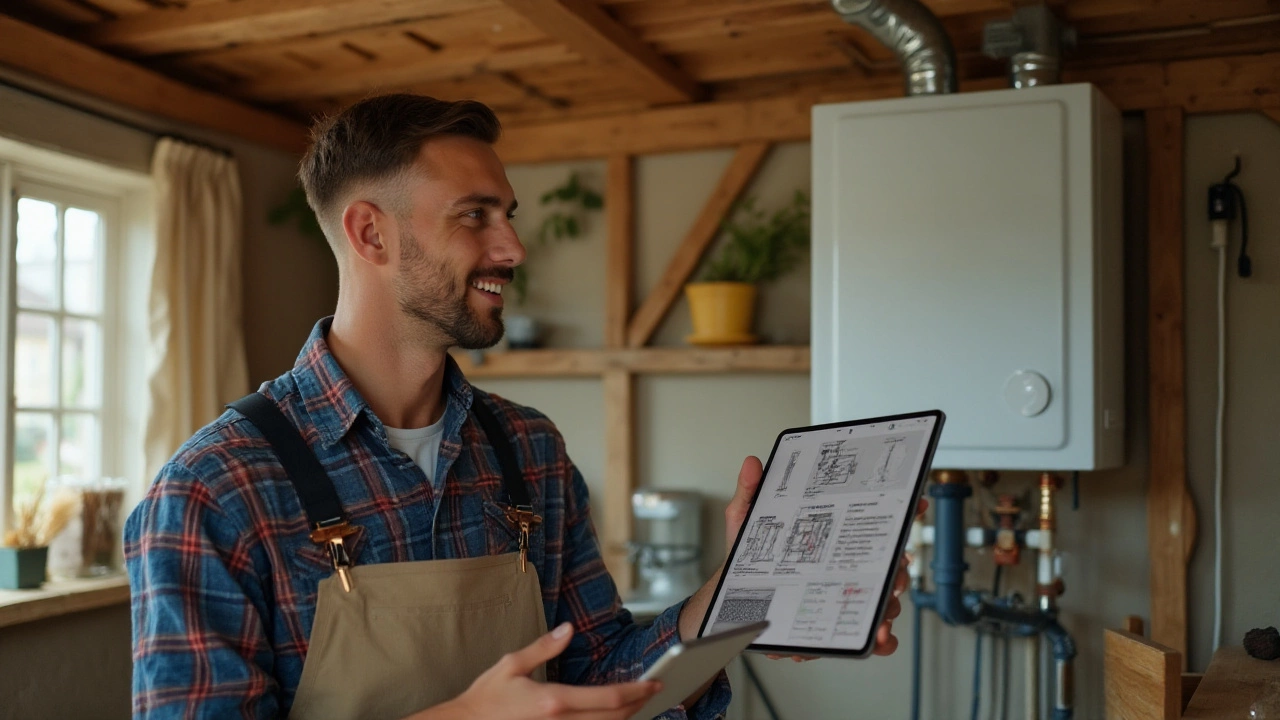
(736, 514)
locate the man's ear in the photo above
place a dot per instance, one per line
(368, 231)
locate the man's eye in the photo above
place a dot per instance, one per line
(511, 215)
(477, 214)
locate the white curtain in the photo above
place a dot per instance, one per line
(197, 341)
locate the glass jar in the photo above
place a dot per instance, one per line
(89, 545)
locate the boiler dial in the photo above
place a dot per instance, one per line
(1026, 392)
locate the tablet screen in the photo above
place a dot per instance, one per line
(820, 545)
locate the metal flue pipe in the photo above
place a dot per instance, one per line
(914, 34)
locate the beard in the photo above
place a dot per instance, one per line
(428, 291)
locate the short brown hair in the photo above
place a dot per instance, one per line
(379, 137)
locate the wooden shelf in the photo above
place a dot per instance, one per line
(648, 360)
(61, 597)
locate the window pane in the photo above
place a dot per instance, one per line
(82, 250)
(34, 361)
(78, 449)
(33, 440)
(37, 254)
(81, 363)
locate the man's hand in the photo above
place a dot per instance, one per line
(505, 691)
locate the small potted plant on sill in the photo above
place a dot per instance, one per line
(761, 247)
(24, 555)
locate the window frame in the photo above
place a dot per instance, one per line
(110, 281)
(123, 200)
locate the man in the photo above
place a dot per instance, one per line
(371, 536)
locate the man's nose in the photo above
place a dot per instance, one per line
(506, 248)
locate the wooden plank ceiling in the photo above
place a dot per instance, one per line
(539, 60)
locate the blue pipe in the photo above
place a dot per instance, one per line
(915, 656)
(948, 557)
(956, 606)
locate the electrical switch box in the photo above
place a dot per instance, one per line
(967, 256)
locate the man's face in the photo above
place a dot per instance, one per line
(457, 247)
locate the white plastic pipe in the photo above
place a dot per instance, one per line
(1032, 704)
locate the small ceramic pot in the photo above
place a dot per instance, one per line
(22, 568)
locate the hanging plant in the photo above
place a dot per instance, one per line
(571, 201)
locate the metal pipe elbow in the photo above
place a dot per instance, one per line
(914, 34)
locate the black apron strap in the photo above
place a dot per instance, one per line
(310, 481)
(512, 477)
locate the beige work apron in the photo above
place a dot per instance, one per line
(411, 635)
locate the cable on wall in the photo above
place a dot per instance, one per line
(1224, 200)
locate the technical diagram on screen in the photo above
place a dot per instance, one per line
(818, 551)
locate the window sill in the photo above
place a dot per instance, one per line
(61, 597)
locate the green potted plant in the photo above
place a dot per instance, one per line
(25, 551)
(760, 247)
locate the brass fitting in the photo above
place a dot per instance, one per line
(1006, 550)
(951, 477)
(1048, 483)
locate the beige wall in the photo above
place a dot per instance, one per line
(693, 431)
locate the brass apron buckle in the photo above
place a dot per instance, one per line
(331, 535)
(523, 519)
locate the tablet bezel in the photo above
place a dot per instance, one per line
(883, 601)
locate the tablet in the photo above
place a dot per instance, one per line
(818, 552)
(685, 667)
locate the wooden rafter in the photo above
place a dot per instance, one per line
(589, 30)
(1224, 84)
(52, 57)
(742, 168)
(445, 64)
(1170, 512)
(210, 25)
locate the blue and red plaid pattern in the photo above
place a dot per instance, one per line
(224, 575)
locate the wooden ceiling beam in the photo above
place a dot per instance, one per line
(592, 32)
(212, 25)
(446, 64)
(51, 57)
(1259, 36)
(1221, 84)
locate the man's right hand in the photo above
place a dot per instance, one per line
(506, 691)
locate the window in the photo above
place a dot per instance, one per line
(71, 320)
(59, 359)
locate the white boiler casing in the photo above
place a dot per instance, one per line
(967, 256)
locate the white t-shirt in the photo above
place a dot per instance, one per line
(422, 445)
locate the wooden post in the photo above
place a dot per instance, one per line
(619, 385)
(619, 277)
(1170, 512)
(619, 474)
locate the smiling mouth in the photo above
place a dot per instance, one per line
(492, 288)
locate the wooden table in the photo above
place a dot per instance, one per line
(1230, 685)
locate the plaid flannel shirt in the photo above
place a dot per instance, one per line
(224, 576)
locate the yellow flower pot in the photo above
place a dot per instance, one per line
(722, 312)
